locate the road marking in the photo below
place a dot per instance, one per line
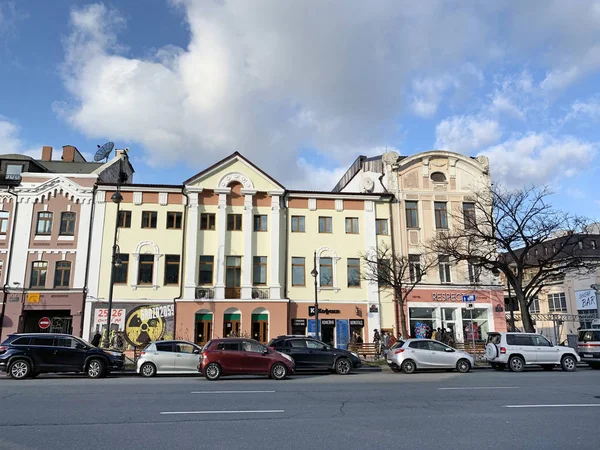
(265, 411)
(476, 388)
(232, 392)
(583, 405)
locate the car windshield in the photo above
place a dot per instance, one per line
(589, 335)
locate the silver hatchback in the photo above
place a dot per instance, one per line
(416, 354)
(169, 357)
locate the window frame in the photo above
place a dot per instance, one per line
(381, 230)
(260, 223)
(354, 227)
(327, 220)
(4, 222)
(63, 215)
(441, 215)
(211, 221)
(38, 277)
(298, 224)
(474, 273)
(151, 217)
(256, 266)
(62, 272)
(148, 260)
(326, 265)
(469, 215)
(236, 223)
(414, 213)
(124, 258)
(205, 263)
(124, 218)
(169, 264)
(47, 220)
(297, 264)
(354, 266)
(445, 272)
(172, 218)
(562, 299)
(414, 268)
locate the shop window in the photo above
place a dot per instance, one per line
(326, 272)
(381, 227)
(67, 223)
(44, 223)
(557, 302)
(62, 274)
(441, 215)
(207, 221)
(203, 328)
(412, 214)
(260, 327)
(414, 268)
(298, 272)
(205, 276)
(469, 215)
(324, 224)
(422, 322)
(259, 270)
(353, 272)
(234, 222)
(474, 272)
(352, 225)
(39, 270)
(260, 222)
(149, 219)
(121, 270)
(3, 222)
(146, 269)
(298, 224)
(174, 220)
(444, 268)
(124, 219)
(172, 269)
(475, 324)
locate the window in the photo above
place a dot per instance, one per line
(231, 346)
(419, 345)
(39, 269)
(205, 276)
(42, 341)
(62, 274)
(234, 222)
(474, 272)
(184, 348)
(298, 272)
(3, 222)
(164, 347)
(315, 345)
(172, 269)
(146, 269)
(207, 221)
(67, 223)
(534, 308)
(149, 219)
(381, 226)
(557, 302)
(444, 266)
(174, 220)
(44, 223)
(260, 270)
(13, 171)
(414, 268)
(441, 215)
(352, 225)
(437, 347)
(324, 224)
(384, 272)
(121, 271)
(469, 215)
(353, 272)
(326, 272)
(298, 224)
(253, 347)
(295, 343)
(64, 342)
(412, 214)
(260, 222)
(438, 177)
(124, 219)
(519, 339)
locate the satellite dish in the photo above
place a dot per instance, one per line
(368, 184)
(104, 151)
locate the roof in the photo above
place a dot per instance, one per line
(70, 167)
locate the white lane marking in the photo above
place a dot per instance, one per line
(476, 388)
(232, 392)
(583, 405)
(265, 411)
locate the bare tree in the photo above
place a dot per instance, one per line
(397, 274)
(519, 234)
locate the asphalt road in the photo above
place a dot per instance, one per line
(480, 410)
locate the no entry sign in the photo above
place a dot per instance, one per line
(44, 323)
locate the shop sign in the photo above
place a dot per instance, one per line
(586, 299)
(448, 297)
(311, 311)
(160, 312)
(117, 317)
(14, 299)
(33, 297)
(357, 322)
(298, 322)
(328, 322)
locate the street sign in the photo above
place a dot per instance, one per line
(469, 298)
(33, 297)
(44, 323)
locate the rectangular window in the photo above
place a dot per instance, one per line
(259, 270)
(67, 223)
(326, 272)
(207, 221)
(384, 272)
(474, 272)
(62, 274)
(146, 269)
(260, 222)
(441, 215)
(352, 225)
(324, 224)
(414, 268)
(174, 220)
(44, 223)
(234, 222)
(124, 219)
(121, 270)
(13, 171)
(353, 272)
(444, 266)
(298, 224)
(3, 222)
(412, 214)
(39, 270)
(469, 215)
(149, 219)
(534, 308)
(172, 269)
(381, 226)
(298, 272)
(557, 302)
(205, 276)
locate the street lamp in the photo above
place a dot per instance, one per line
(115, 262)
(315, 274)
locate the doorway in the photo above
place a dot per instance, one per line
(203, 328)
(328, 331)
(260, 325)
(60, 321)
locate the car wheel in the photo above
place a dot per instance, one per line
(148, 370)
(463, 366)
(278, 371)
(343, 366)
(516, 364)
(548, 366)
(96, 368)
(212, 372)
(409, 366)
(395, 368)
(499, 367)
(19, 369)
(568, 363)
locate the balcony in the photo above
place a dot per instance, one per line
(205, 293)
(261, 293)
(233, 292)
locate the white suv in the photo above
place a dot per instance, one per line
(520, 349)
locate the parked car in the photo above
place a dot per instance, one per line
(311, 354)
(169, 357)
(28, 355)
(417, 354)
(518, 350)
(588, 347)
(235, 356)
(390, 351)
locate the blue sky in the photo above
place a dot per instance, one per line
(303, 88)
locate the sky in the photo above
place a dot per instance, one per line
(302, 88)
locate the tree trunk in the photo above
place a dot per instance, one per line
(402, 318)
(525, 316)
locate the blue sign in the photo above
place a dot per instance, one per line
(469, 298)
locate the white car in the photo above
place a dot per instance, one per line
(169, 357)
(417, 354)
(517, 350)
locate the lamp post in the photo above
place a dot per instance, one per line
(116, 198)
(315, 274)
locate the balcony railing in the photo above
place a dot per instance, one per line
(233, 292)
(261, 293)
(207, 293)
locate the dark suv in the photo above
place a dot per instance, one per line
(310, 354)
(28, 355)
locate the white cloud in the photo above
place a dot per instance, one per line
(585, 110)
(465, 134)
(501, 103)
(11, 142)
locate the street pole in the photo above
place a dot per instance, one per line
(472, 327)
(116, 198)
(315, 274)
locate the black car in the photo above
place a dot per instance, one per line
(311, 354)
(28, 355)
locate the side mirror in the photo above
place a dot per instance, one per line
(265, 351)
(449, 350)
(196, 351)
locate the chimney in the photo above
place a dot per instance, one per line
(46, 153)
(68, 153)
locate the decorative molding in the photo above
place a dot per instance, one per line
(193, 196)
(249, 191)
(339, 204)
(275, 203)
(220, 191)
(163, 198)
(312, 204)
(137, 198)
(369, 204)
(236, 177)
(57, 186)
(100, 196)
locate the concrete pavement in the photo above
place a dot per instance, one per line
(479, 410)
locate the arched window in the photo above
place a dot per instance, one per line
(438, 177)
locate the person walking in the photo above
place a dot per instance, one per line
(97, 338)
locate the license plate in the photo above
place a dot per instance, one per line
(588, 355)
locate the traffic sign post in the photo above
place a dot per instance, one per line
(469, 298)
(44, 323)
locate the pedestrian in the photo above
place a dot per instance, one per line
(376, 337)
(359, 339)
(96, 339)
(434, 334)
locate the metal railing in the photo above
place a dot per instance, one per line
(261, 293)
(208, 293)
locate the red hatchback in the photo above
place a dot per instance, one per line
(234, 356)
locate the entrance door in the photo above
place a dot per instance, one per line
(327, 333)
(233, 277)
(231, 328)
(203, 329)
(260, 331)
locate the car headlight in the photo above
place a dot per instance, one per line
(108, 352)
(355, 355)
(288, 357)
